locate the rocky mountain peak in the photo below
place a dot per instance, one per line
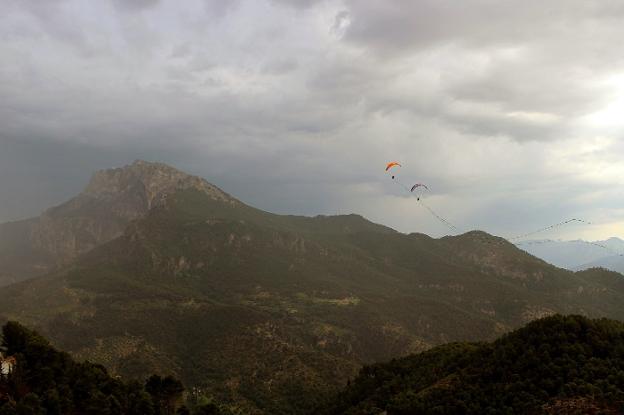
(112, 199)
(151, 181)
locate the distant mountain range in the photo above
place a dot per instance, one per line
(613, 263)
(578, 254)
(151, 270)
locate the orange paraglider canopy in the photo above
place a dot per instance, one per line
(392, 164)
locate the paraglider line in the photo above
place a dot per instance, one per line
(512, 239)
(438, 217)
(397, 181)
(547, 228)
(431, 211)
(577, 241)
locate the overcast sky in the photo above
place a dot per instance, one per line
(511, 111)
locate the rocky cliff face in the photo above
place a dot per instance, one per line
(112, 199)
(136, 188)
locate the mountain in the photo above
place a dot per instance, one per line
(560, 364)
(112, 199)
(274, 312)
(613, 263)
(577, 254)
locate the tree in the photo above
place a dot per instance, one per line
(183, 410)
(208, 409)
(166, 393)
(8, 409)
(30, 405)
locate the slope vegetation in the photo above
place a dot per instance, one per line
(272, 312)
(560, 364)
(43, 380)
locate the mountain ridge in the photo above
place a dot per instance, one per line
(260, 309)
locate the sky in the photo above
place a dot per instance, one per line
(511, 112)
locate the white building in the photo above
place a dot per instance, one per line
(6, 365)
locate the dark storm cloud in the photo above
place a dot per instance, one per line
(308, 98)
(521, 57)
(52, 19)
(134, 5)
(35, 174)
(396, 25)
(300, 4)
(220, 8)
(280, 66)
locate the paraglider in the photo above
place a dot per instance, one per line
(395, 164)
(416, 186)
(392, 164)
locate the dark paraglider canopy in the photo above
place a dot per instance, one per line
(417, 185)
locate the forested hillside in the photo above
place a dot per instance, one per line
(44, 381)
(560, 364)
(272, 312)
